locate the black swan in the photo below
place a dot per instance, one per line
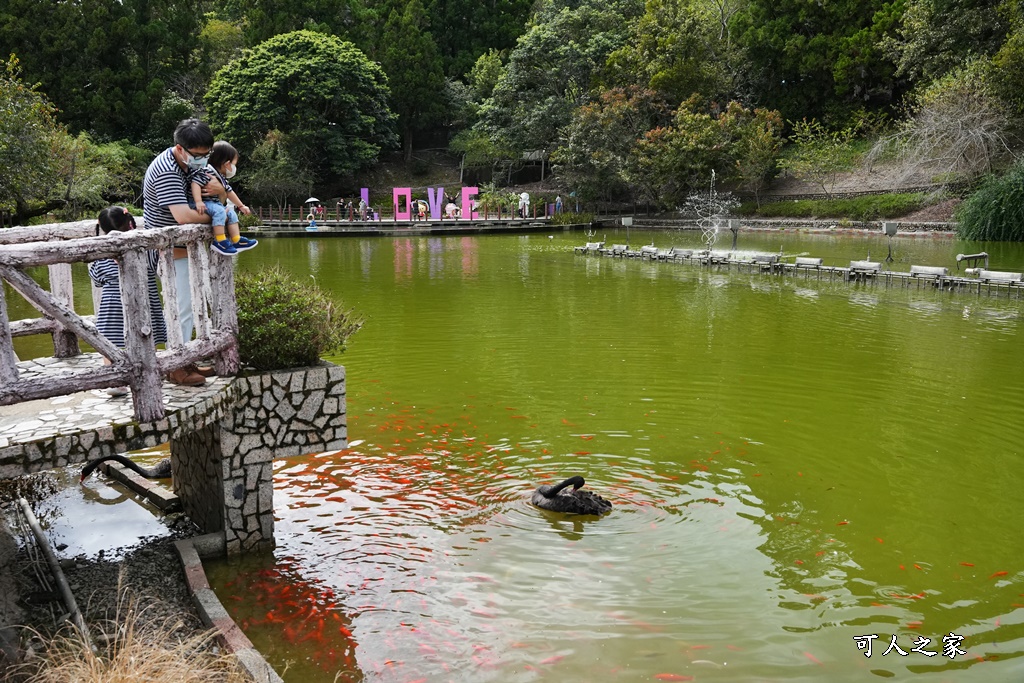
(576, 501)
(161, 470)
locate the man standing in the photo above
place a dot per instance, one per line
(165, 203)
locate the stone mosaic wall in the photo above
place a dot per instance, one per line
(230, 465)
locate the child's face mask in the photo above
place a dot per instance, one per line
(229, 171)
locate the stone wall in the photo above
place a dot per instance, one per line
(224, 474)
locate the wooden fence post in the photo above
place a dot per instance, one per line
(65, 343)
(143, 371)
(8, 361)
(225, 313)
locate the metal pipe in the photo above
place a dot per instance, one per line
(58, 573)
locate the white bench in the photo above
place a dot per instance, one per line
(928, 272)
(1000, 276)
(807, 262)
(647, 251)
(864, 268)
(588, 247)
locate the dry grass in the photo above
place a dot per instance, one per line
(130, 649)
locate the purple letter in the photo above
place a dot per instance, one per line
(406, 192)
(364, 194)
(468, 203)
(435, 202)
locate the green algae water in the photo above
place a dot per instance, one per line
(799, 467)
(796, 465)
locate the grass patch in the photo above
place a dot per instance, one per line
(866, 208)
(130, 648)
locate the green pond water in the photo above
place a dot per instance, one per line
(794, 463)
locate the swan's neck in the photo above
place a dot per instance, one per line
(575, 482)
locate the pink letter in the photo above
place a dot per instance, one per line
(469, 203)
(402, 215)
(435, 202)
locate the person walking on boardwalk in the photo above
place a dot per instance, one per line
(165, 203)
(106, 273)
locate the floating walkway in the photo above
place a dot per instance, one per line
(974, 280)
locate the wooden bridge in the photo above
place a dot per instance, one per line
(139, 365)
(224, 436)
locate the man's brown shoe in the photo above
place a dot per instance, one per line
(204, 370)
(186, 377)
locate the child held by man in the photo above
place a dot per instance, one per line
(223, 164)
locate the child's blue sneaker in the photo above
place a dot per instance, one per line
(224, 248)
(245, 243)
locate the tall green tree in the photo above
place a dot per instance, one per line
(552, 70)
(415, 75)
(677, 48)
(937, 36)
(818, 59)
(598, 143)
(321, 92)
(106, 64)
(466, 29)
(263, 19)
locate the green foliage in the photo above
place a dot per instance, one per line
(675, 49)
(30, 139)
(602, 136)
(466, 29)
(551, 71)
(938, 36)
(284, 323)
(995, 212)
(278, 170)
(322, 93)
(415, 73)
(819, 154)
(567, 218)
(867, 208)
(817, 59)
(261, 20)
(106, 64)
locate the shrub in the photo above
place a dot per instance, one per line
(996, 211)
(566, 218)
(284, 323)
(248, 222)
(866, 208)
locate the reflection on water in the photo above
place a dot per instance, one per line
(794, 463)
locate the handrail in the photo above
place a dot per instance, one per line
(139, 365)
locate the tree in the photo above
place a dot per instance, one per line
(321, 92)
(669, 161)
(601, 137)
(106, 64)
(276, 173)
(413, 65)
(261, 20)
(466, 29)
(818, 59)
(551, 70)
(958, 128)
(756, 142)
(937, 36)
(819, 154)
(677, 48)
(30, 139)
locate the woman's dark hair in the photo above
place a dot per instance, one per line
(115, 218)
(222, 151)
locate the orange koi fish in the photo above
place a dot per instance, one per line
(673, 677)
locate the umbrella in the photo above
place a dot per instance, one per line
(311, 199)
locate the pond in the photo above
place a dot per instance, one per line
(793, 463)
(796, 465)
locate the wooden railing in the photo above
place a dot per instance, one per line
(139, 364)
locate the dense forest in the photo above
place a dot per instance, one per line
(621, 99)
